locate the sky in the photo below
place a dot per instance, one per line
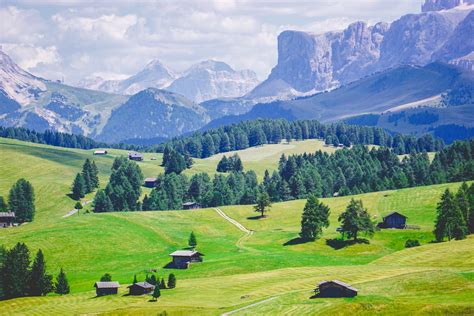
(114, 39)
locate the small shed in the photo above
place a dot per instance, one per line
(394, 220)
(183, 258)
(106, 288)
(150, 182)
(7, 219)
(100, 152)
(141, 288)
(335, 288)
(191, 205)
(135, 156)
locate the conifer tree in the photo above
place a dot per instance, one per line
(40, 283)
(21, 201)
(462, 200)
(153, 280)
(356, 219)
(171, 281)
(3, 205)
(470, 223)
(192, 242)
(78, 205)
(102, 203)
(156, 293)
(3, 254)
(315, 217)
(162, 284)
(135, 279)
(79, 188)
(15, 271)
(62, 284)
(106, 278)
(263, 204)
(449, 221)
(86, 175)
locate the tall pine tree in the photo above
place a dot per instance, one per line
(449, 221)
(315, 217)
(40, 282)
(21, 201)
(62, 284)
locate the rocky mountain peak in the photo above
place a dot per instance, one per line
(439, 5)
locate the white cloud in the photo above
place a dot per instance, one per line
(79, 39)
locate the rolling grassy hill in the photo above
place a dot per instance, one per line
(239, 269)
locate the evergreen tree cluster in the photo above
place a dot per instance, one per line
(161, 284)
(19, 277)
(21, 201)
(360, 170)
(172, 190)
(455, 214)
(59, 139)
(86, 181)
(173, 161)
(123, 191)
(258, 132)
(232, 163)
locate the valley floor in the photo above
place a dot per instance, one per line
(265, 272)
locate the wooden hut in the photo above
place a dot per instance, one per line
(106, 288)
(191, 205)
(335, 288)
(7, 219)
(150, 182)
(394, 220)
(183, 258)
(135, 156)
(140, 288)
(100, 152)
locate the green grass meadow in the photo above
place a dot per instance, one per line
(238, 269)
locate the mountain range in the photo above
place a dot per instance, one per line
(420, 63)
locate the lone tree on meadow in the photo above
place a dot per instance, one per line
(171, 281)
(156, 293)
(62, 284)
(449, 222)
(78, 187)
(21, 201)
(315, 217)
(106, 278)
(263, 204)
(356, 219)
(40, 282)
(192, 242)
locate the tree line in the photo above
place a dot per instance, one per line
(233, 163)
(360, 170)
(20, 277)
(246, 134)
(21, 201)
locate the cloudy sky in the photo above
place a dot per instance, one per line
(75, 39)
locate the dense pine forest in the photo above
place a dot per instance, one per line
(259, 132)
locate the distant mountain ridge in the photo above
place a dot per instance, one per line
(203, 81)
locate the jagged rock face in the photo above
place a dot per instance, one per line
(461, 42)
(438, 5)
(212, 79)
(319, 62)
(413, 38)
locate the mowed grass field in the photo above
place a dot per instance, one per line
(238, 269)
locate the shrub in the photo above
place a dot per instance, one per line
(410, 243)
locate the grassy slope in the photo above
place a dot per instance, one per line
(238, 270)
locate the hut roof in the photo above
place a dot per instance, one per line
(106, 285)
(100, 152)
(343, 284)
(189, 203)
(150, 179)
(135, 154)
(144, 285)
(185, 253)
(394, 213)
(7, 214)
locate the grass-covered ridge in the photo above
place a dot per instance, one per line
(238, 269)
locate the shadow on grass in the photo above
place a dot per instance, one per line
(71, 196)
(296, 241)
(338, 243)
(256, 217)
(169, 265)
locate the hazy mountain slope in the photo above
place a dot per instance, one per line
(153, 113)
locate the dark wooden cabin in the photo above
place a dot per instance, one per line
(183, 258)
(106, 288)
(394, 220)
(141, 288)
(191, 205)
(335, 288)
(150, 182)
(7, 219)
(135, 156)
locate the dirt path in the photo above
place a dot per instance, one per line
(247, 232)
(249, 306)
(74, 211)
